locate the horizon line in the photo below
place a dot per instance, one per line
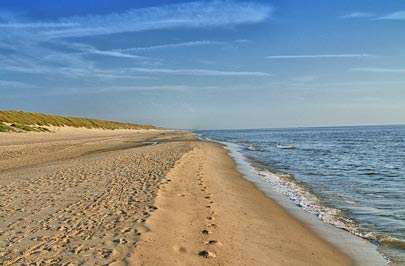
(299, 127)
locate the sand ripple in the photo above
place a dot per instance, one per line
(85, 211)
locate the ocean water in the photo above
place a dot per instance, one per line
(350, 177)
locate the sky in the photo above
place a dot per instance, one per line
(206, 64)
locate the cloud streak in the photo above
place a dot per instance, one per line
(317, 56)
(199, 72)
(357, 15)
(172, 45)
(128, 73)
(185, 15)
(43, 49)
(13, 84)
(379, 70)
(39, 25)
(88, 49)
(398, 15)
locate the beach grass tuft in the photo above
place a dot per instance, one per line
(5, 128)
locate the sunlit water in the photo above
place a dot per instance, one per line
(351, 177)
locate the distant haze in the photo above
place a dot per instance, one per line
(207, 64)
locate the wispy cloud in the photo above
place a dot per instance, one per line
(356, 15)
(42, 48)
(242, 41)
(379, 70)
(320, 56)
(39, 25)
(76, 72)
(187, 15)
(199, 72)
(113, 54)
(88, 49)
(398, 15)
(128, 88)
(127, 73)
(13, 84)
(181, 45)
(172, 45)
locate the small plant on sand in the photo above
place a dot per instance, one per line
(4, 128)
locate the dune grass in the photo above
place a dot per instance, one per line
(19, 121)
(5, 128)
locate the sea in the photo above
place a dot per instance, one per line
(350, 177)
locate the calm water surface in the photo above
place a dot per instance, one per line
(351, 177)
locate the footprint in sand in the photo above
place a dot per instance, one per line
(206, 232)
(153, 208)
(120, 241)
(214, 243)
(207, 254)
(140, 229)
(126, 230)
(105, 253)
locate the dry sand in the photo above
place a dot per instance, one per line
(22, 149)
(95, 197)
(85, 210)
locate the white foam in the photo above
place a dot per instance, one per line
(305, 207)
(303, 198)
(286, 147)
(251, 147)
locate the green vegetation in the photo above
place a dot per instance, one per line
(25, 128)
(19, 121)
(5, 128)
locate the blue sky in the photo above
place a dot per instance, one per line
(207, 64)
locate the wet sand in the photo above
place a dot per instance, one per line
(109, 198)
(209, 215)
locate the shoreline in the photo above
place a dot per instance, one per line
(361, 251)
(208, 214)
(142, 198)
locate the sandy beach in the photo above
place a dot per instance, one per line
(97, 197)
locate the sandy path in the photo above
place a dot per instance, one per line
(209, 215)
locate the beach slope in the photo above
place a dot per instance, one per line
(209, 215)
(97, 197)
